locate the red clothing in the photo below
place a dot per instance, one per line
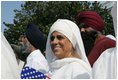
(100, 45)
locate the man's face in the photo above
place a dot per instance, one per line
(88, 36)
(24, 40)
(88, 31)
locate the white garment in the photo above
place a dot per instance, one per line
(111, 37)
(106, 65)
(70, 68)
(37, 61)
(72, 32)
(9, 66)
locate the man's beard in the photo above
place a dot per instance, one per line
(88, 40)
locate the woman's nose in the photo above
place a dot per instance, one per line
(55, 41)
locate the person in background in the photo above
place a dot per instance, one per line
(22, 49)
(24, 43)
(92, 24)
(65, 52)
(36, 66)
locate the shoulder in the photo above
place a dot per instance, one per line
(80, 66)
(36, 59)
(111, 37)
(106, 42)
(80, 70)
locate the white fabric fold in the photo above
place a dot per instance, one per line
(9, 66)
(106, 65)
(70, 68)
(37, 61)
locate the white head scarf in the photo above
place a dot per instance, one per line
(72, 32)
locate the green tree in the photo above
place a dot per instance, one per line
(45, 13)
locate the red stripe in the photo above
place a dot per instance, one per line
(48, 77)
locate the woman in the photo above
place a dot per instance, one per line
(65, 52)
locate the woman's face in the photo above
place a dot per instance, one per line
(61, 45)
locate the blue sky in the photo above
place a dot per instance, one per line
(7, 13)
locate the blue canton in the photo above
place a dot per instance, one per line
(30, 73)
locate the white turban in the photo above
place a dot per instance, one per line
(72, 32)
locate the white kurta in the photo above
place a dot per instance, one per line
(37, 61)
(70, 68)
(106, 65)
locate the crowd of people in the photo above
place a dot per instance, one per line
(63, 55)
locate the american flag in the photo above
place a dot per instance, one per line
(30, 73)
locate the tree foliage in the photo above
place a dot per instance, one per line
(45, 13)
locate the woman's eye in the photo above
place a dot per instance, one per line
(57, 37)
(52, 38)
(60, 37)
